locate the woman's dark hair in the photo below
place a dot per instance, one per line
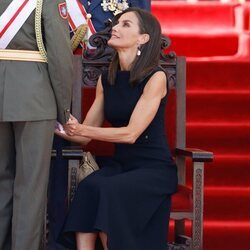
(150, 51)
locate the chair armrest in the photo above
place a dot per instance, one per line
(53, 153)
(197, 155)
(72, 153)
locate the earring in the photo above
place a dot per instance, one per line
(138, 51)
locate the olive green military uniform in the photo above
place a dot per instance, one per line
(32, 96)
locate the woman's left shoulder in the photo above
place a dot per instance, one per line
(159, 73)
(159, 69)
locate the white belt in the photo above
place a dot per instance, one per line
(21, 55)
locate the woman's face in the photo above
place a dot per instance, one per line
(125, 34)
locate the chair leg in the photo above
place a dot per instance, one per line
(72, 179)
(198, 196)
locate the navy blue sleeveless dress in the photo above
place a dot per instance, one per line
(129, 198)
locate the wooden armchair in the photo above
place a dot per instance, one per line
(188, 201)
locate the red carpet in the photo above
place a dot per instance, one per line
(218, 109)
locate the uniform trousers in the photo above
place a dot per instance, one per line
(25, 150)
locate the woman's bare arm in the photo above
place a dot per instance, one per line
(93, 118)
(141, 117)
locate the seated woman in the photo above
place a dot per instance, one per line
(127, 202)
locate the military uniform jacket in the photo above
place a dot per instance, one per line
(32, 91)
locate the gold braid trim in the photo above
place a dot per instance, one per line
(79, 36)
(38, 29)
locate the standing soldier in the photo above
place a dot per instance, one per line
(35, 90)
